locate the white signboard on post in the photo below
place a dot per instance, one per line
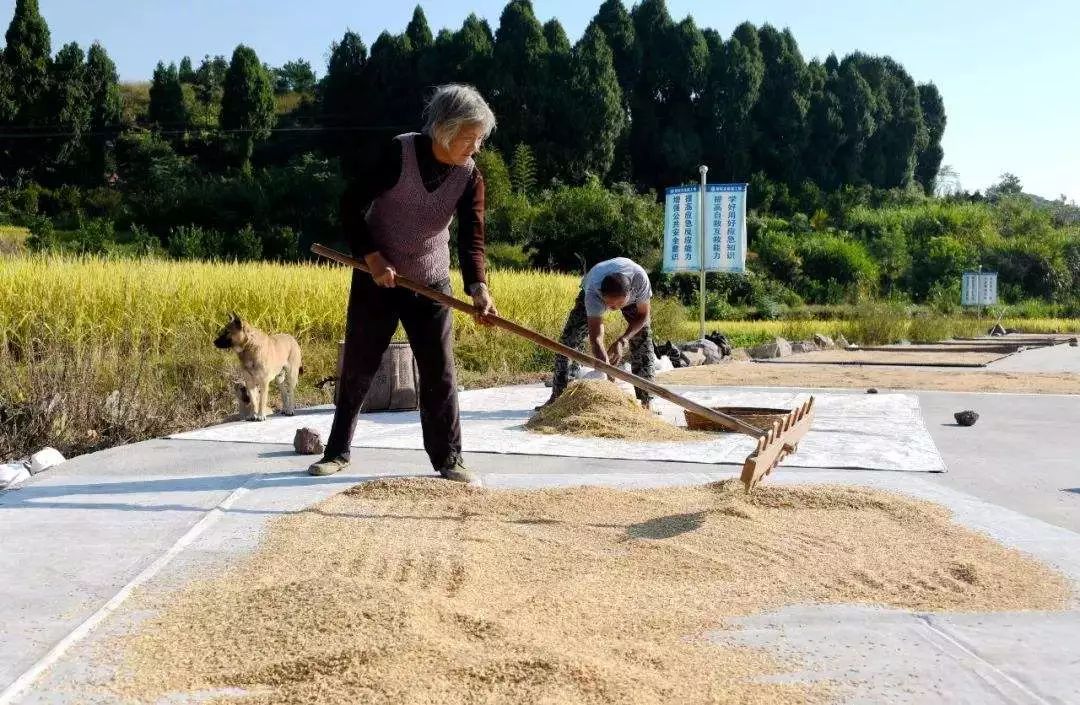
(681, 248)
(978, 289)
(725, 228)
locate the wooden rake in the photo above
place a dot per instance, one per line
(773, 444)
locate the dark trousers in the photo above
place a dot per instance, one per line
(576, 332)
(372, 318)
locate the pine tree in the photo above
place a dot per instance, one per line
(390, 67)
(167, 107)
(523, 170)
(103, 94)
(856, 99)
(618, 29)
(26, 59)
(343, 102)
(555, 36)
(596, 115)
(520, 78)
(186, 71)
(473, 50)
(418, 31)
(654, 31)
(780, 114)
(66, 101)
(247, 104)
(929, 159)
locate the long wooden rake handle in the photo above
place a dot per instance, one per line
(773, 444)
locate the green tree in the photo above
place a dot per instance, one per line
(392, 66)
(900, 134)
(857, 110)
(497, 186)
(294, 77)
(464, 56)
(653, 29)
(167, 107)
(735, 91)
(26, 59)
(106, 109)
(523, 170)
(618, 28)
(67, 101)
(1008, 184)
(780, 113)
(592, 223)
(247, 104)
(520, 75)
(826, 128)
(929, 159)
(343, 99)
(555, 36)
(418, 32)
(595, 112)
(186, 71)
(102, 88)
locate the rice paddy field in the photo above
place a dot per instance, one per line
(96, 352)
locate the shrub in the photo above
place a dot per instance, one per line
(835, 268)
(503, 255)
(942, 261)
(511, 222)
(591, 223)
(929, 328)
(244, 245)
(43, 236)
(193, 242)
(667, 316)
(877, 323)
(93, 237)
(778, 255)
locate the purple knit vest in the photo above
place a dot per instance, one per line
(410, 226)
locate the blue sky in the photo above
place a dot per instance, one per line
(1009, 72)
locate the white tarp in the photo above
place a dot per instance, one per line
(876, 432)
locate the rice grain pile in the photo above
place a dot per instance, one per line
(600, 409)
(425, 591)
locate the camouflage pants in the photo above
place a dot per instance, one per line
(576, 332)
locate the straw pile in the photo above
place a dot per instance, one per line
(599, 409)
(422, 591)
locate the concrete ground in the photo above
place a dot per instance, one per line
(78, 538)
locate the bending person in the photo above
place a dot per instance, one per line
(614, 284)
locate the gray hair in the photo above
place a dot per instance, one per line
(454, 106)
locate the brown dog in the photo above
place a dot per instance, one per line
(263, 358)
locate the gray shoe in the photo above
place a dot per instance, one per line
(459, 473)
(328, 466)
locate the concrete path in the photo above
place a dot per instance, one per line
(1055, 358)
(77, 538)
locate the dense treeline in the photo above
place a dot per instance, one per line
(640, 97)
(228, 157)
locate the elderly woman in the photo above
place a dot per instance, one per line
(397, 217)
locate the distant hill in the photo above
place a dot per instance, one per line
(1064, 213)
